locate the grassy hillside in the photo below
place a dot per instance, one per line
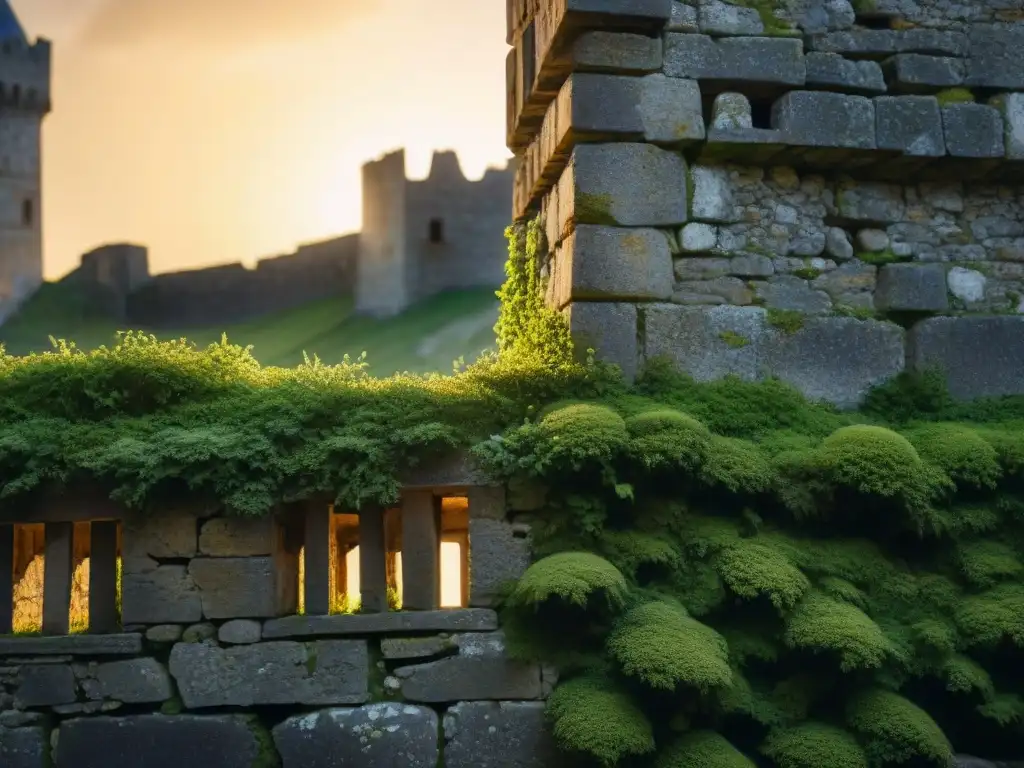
(425, 338)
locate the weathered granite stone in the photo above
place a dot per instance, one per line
(761, 60)
(821, 119)
(620, 52)
(872, 240)
(967, 285)
(24, 748)
(481, 671)
(246, 587)
(823, 16)
(44, 685)
(609, 328)
(487, 502)
(973, 130)
(750, 265)
(718, 290)
(466, 620)
(169, 534)
(240, 632)
(499, 556)
(134, 681)
(712, 194)
(684, 18)
(127, 644)
(980, 356)
(917, 73)
(718, 18)
(911, 125)
(835, 359)
(697, 237)
(498, 735)
(1012, 107)
(158, 741)
(732, 112)
(412, 648)
(158, 594)
(870, 202)
(877, 43)
(832, 71)
(995, 60)
(199, 633)
(12, 718)
(630, 185)
(670, 110)
(238, 536)
(164, 633)
(912, 288)
(323, 672)
(791, 293)
(850, 285)
(373, 736)
(838, 245)
(695, 339)
(610, 263)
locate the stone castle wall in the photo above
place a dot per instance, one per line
(807, 191)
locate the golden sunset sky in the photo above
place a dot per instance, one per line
(228, 130)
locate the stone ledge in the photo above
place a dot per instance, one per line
(461, 620)
(72, 645)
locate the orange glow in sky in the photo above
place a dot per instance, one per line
(228, 130)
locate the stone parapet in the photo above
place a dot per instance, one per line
(812, 173)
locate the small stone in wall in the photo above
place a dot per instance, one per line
(498, 735)
(134, 681)
(794, 294)
(199, 633)
(696, 237)
(838, 245)
(403, 648)
(684, 18)
(240, 632)
(731, 112)
(1012, 106)
(827, 15)
(872, 240)
(45, 685)
(974, 131)
(718, 18)
(164, 633)
(968, 285)
(712, 195)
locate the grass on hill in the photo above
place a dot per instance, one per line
(426, 338)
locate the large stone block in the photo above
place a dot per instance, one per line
(601, 263)
(467, 620)
(719, 18)
(793, 294)
(671, 110)
(499, 735)
(713, 195)
(24, 748)
(1012, 107)
(912, 288)
(835, 73)
(995, 60)
(134, 681)
(239, 536)
(481, 672)
(973, 130)
(628, 185)
(45, 685)
(911, 125)
(821, 119)
(749, 60)
(498, 555)
(980, 356)
(246, 587)
(617, 52)
(158, 594)
(870, 202)
(158, 741)
(879, 43)
(835, 359)
(707, 343)
(128, 644)
(165, 535)
(917, 73)
(373, 736)
(609, 328)
(323, 672)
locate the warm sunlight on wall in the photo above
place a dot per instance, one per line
(451, 574)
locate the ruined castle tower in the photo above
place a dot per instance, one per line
(828, 192)
(24, 102)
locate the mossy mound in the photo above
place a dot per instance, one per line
(576, 578)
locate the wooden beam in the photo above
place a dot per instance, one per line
(57, 572)
(103, 618)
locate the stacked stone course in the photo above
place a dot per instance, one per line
(814, 190)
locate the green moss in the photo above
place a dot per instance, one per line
(955, 96)
(733, 339)
(873, 460)
(807, 273)
(820, 623)
(880, 258)
(751, 570)
(994, 616)
(575, 578)
(311, 658)
(594, 209)
(959, 451)
(173, 706)
(858, 313)
(702, 749)
(894, 730)
(668, 439)
(811, 745)
(786, 320)
(267, 756)
(593, 717)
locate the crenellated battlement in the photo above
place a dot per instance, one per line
(25, 75)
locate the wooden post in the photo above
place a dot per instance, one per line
(373, 575)
(6, 579)
(57, 572)
(318, 559)
(421, 551)
(103, 577)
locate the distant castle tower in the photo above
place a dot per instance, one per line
(24, 102)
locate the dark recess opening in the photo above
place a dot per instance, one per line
(761, 112)
(27, 213)
(874, 22)
(436, 231)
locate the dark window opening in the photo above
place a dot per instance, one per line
(436, 231)
(761, 112)
(874, 22)
(27, 213)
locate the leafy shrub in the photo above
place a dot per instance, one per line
(872, 460)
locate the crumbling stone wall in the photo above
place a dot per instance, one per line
(214, 666)
(820, 191)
